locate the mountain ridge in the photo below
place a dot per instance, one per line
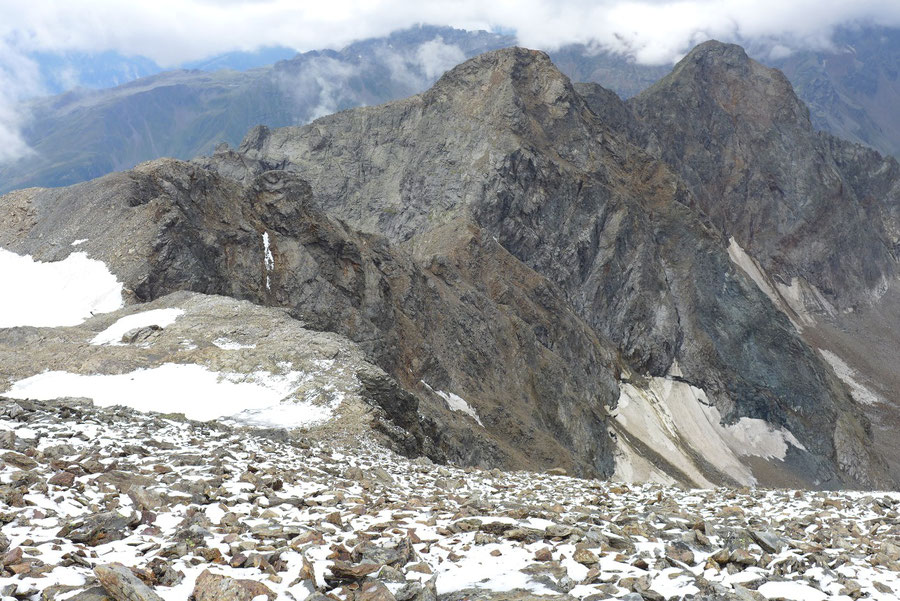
(212, 108)
(399, 226)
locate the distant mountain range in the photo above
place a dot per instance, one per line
(852, 92)
(63, 72)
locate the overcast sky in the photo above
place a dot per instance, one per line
(174, 31)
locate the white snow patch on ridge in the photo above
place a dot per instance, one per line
(156, 317)
(61, 293)
(678, 421)
(269, 259)
(848, 376)
(456, 403)
(227, 344)
(260, 398)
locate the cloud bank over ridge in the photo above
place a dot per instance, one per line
(172, 32)
(654, 31)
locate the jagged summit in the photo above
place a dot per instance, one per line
(738, 135)
(725, 75)
(714, 51)
(529, 73)
(515, 62)
(512, 89)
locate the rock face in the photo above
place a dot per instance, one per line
(812, 218)
(791, 197)
(431, 322)
(518, 254)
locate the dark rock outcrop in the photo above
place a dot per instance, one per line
(463, 317)
(809, 208)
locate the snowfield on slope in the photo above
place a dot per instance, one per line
(62, 293)
(260, 398)
(680, 422)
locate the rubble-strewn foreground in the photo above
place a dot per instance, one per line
(153, 506)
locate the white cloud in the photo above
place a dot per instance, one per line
(319, 84)
(174, 31)
(18, 79)
(436, 57)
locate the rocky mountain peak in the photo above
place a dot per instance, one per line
(725, 77)
(515, 262)
(738, 135)
(504, 84)
(521, 66)
(718, 54)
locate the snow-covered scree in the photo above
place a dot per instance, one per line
(190, 508)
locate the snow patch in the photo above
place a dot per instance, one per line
(849, 376)
(645, 414)
(230, 345)
(60, 293)
(456, 403)
(679, 422)
(632, 467)
(749, 266)
(79, 242)
(756, 273)
(804, 298)
(306, 412)
(260, 398)
(158, 317)
(479, 569)
(673, 583)
(269, 259)
(675, 370)
(757, 437)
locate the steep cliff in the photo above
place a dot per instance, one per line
(743, 142)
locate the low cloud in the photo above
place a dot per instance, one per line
(321, 85)
(436, 57)
(12, 144)
(653, 31)
(317, 86)
(19, 79)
